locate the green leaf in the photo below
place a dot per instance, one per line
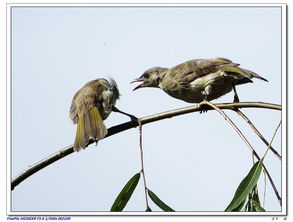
(257, 207)
(241, 206)
(125, 194)
(159, 203)
(246, 186)
(255, 195)
(254, 202)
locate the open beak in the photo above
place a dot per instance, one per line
(139, 86)
(108, 108)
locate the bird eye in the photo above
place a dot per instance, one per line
(146, 75)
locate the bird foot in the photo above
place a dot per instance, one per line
(236, 99)
(132, 117)
(203, 108)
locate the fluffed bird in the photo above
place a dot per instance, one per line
(91, 105)
(198, 80)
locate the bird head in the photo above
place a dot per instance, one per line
(150, 78)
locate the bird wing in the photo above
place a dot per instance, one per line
(185, 73)
(73, 109)
(85, 99)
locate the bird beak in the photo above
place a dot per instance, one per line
(107, 107)
(139, 86)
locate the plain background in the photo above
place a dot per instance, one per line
(193, 162)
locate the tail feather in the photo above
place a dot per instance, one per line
(241, 75)
(253, 74)
(99, 130)
(80, 137)
(90, 126)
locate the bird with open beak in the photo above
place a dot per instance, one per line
(198, 80)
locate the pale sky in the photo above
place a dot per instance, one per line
(193, 162)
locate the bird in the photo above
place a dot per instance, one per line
(90, 105)
(198, 80)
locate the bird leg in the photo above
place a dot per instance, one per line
(206, 92)
(132, 118)
(236, 98)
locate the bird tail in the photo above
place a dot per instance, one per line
(253, 74)
(90, 126)
(241, 75)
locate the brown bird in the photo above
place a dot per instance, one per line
(91, 105)
(197, 80)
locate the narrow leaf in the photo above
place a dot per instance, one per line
(254, 201)
(246, 186)
(255, 195)
(241, 206)
(125, 194)
(159, 203)
(257, 207)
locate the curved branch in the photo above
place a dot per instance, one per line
(132, 124)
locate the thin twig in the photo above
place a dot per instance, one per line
(230, 122)
(265, 189)
(142, 165)
(247, 143)
(258, 133)
(274, 135)
(269, 146)
(266, 173)
(272, 183)
(132, 124)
